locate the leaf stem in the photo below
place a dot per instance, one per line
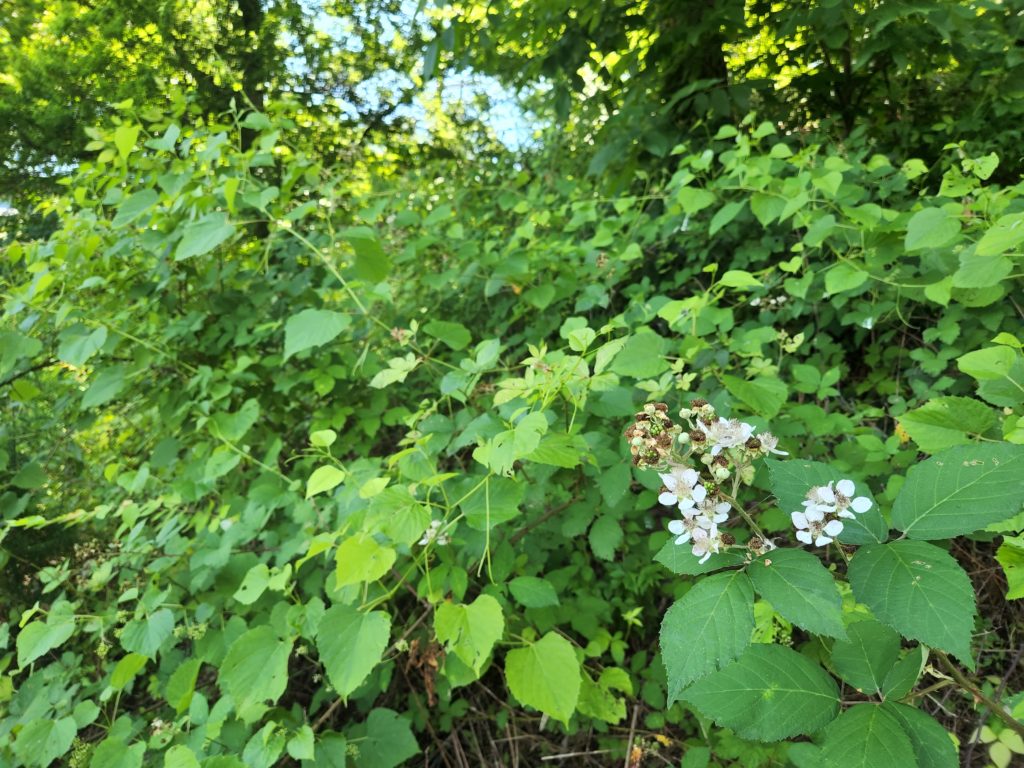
(966, 684)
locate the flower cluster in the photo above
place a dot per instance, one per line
(651, 436)
(824, 510)
(434, 535)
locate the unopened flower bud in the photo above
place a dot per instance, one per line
(684, 438)
(720, 473)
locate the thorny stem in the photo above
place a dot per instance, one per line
(966, 684)
(739, 507)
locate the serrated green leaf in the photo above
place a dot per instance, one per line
(126, 669)
(769, 693)
(708, 627)
(371, 261)
(944, 422)
(932, 745)
(681, 561)
(253, 585)
(960, 491)
(39, 638)
(800, 589)
(920, 591)
(867, 656)
(385, 740)
(134, 206)
(866, 736)
(765, 396)
(351, 643)
(904, 675)
(181, 685)
(1010, 556)
(146, 635)
(545, 675)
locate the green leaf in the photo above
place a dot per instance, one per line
(181, 685)
(770, 693)
(597, 699)
(533, 592)
(944, 422)
(180, 756)
(791, 480)
(558, 449)
(351, 643)
(920, 591)
(124, 139)
(844, 277)
(385, 740)
(981, 271)
(496, 502)
(642, 357)
(800, 589)
(302, 746)
(40, 742)
(323, 438)
(709, 626)
(694, 200)
(682, 562)
(361, 558)
(233, 426)
(454, 335)
(126, 670)
(202, 236)
(134, 206)
(470, 631)
(960, 491)
(253, 585)
(80, 343)
(724, 215)
(605, 536)
(766, 207)
(114, 753)
(1011, 556)
(866, 736)
(931, 228)
(312, 328)
(324, 479)
(987, 364)
(765, 396)
(14, 346)
(867, 656)
(904, 675)
(254, 671)
(146, 635)
(30, 476)
(545, 675)
(107, 385)
(1005, 235)
(932, 745)
(38, 638)
(371, 262)
(739, 278)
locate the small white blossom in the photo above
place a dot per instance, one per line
(726, 433)
(714, 512)
(683, 529)
(434, 535)
(845, 500)
(705, 543)
(769, 444)
(683, 489)
(811, 527)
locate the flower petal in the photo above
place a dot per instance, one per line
(668, 498)
(676, 527)
(846, 488)
(699, 493)
(685, 537)
(799, 520)
(826, 494)
(833, 527)
(815, 513)
(861, 504)
(821, 541)
(804, 536)
(704, 559)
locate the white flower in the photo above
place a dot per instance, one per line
(705, 543)
(433, 534)
(845, 500)
(726, 433)
(811, 526)
(683, 489)
(713, 512)
(769, 444)
(684, 529)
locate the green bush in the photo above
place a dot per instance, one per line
(341, 453)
